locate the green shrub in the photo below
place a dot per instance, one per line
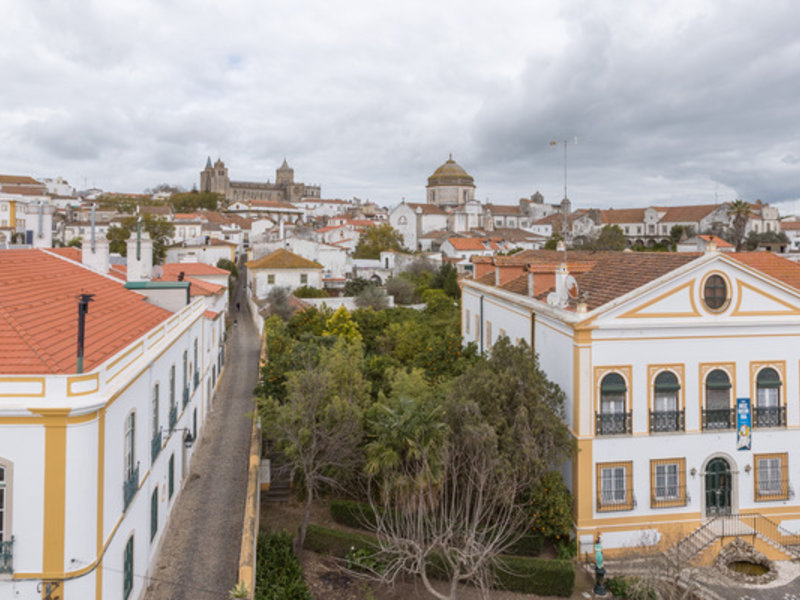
(357, 515)
(278, 573)
(323, 540)
(527, 545)
(630, 588)
(306, 291)
(514, 573)
(536, 576)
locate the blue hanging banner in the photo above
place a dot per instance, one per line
(743, 424)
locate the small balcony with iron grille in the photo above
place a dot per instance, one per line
(719, 419)
(769, 416)
(662, 421)
(613, 423)
(155, 446)
(130, 486)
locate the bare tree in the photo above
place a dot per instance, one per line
(453, 524)
(278, 303)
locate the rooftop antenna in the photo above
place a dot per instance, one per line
(565, 216)
(138, 234)
(93, 207)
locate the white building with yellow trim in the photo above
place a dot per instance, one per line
(93, 459)
(653, 350)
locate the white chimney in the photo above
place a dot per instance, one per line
(140, 257)
(96, 259)
(497, 276)
(530, 284)
(561, 282)
(39, 221)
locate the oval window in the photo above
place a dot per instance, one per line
(715, 292)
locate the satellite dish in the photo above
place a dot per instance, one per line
(572, 287)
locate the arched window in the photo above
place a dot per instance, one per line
(666, 415)
(613, 418)
(718, 413)
(768, 409)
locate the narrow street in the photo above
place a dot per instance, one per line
(199, 555)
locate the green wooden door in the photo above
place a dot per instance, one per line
(718, 488)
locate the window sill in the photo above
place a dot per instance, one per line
(614, 508)
(656, 504)
(782, 497)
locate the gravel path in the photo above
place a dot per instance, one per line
(200, 552)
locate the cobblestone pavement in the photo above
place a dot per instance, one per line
(200, 551)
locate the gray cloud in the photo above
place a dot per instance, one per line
(671, 102)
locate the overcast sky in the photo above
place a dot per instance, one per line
(672, 102)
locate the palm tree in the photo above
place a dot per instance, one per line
(740, 212)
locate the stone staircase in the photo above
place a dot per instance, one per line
(280, 488)
(732, 526)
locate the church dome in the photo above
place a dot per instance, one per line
(450, 173)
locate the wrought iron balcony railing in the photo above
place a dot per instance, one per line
(666, 420)
(719, 418)
(613, 423)
(769, 416)
(131, 486)
(155, 446)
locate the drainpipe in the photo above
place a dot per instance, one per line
(481, 345)
(83, 308)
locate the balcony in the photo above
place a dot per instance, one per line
(131, 486)
(719, 418)
(613, 423)
(769, 416)
(185, 396)
(196, 379)
(7, 556)
(173, 416)
(155, 446)
(666, 420)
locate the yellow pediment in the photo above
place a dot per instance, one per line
(676, 303)
(754, 302)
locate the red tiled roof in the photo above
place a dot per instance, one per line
(780, 268)
(38, 314)
(19, 180)
(503, 209)
(24, 190)
(716, 240)
(622, 215)
(282, 259)
(682, 214)
(191, 268)
(188, 216)
(69, 252)
(790, 225)
(426, 209)
(271, 204)
(210, 314)
(467, 243)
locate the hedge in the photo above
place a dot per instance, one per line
(527, 545)
(323, 540)
(357, 515)
(278, 572)
(515, 573)
(536, 576)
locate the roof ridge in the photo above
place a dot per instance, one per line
(44, 356)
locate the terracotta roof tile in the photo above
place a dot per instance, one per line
(622, 215)
(503, 209)
(69, 252)
(780, 268)
(38, 314)
(282, 259)
(686, 213)
(720, 243)
(191, 268)
(426, 209)
(19, 180)
(23, 190)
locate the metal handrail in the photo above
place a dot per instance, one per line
(769, 416)
(719, 418)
